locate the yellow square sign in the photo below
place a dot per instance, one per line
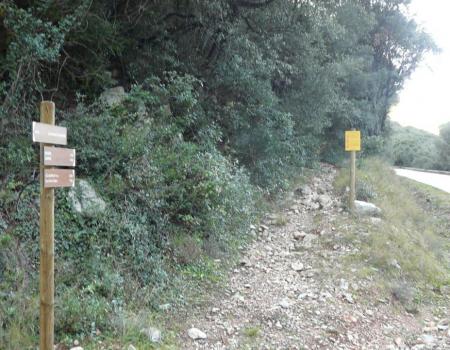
(353, 140)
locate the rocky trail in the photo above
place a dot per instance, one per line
(292, 290)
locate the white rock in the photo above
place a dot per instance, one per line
(302, 296)
(76, 348)
(238, 297)
(348, 297)
(443, 325)
(153, 334)
(367, 209)
(428, 339)
(85, 199)
(308, 241)
(165, 307)
(285, 303)
(195, 334)
(326, 295)
(343, 284)
(299, 235)
(113, 96)
(131, 347)
(376, 221)
(245, 262)
(325, 201)
(314, 206)
(399, 342)
(304, 190)
(297, 266)
(418, 347)
(394, 263)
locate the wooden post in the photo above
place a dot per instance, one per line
(352, 180)
(47, 226)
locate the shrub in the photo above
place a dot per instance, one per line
(186, 249)
(81, 311)
(372, 145)
(157, 186)
(365, 190)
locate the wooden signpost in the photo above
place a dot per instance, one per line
(45, 133)
(57, 156)
(48, 134)
(352, 145)
(59, 178)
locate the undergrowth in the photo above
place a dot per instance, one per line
(408, 250)
(172, 207)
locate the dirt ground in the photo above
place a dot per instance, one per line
(293, 290)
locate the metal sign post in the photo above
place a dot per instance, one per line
(48, 134)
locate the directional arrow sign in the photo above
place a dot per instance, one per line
(59, 178)
(59, 156)
(47, 133)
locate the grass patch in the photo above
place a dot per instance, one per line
(205, 270)
(252, 332)
(280, 220)
(407, 250)
(435, 202)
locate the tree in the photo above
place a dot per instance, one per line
(411, 147)
(444, 146)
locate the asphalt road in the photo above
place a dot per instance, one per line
(440, 181)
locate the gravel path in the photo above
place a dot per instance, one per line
(290, 291)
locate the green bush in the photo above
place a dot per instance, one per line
(364, 190)
(82, 312)
(157, 186)
(410, 147)
(372, 146)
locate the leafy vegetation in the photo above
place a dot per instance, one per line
(411, 147)
(225, 100)
(408, 250)
(252, 332)
(443, 146)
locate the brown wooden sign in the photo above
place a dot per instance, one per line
(55, 156)
(47, 133)
(59, 178)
